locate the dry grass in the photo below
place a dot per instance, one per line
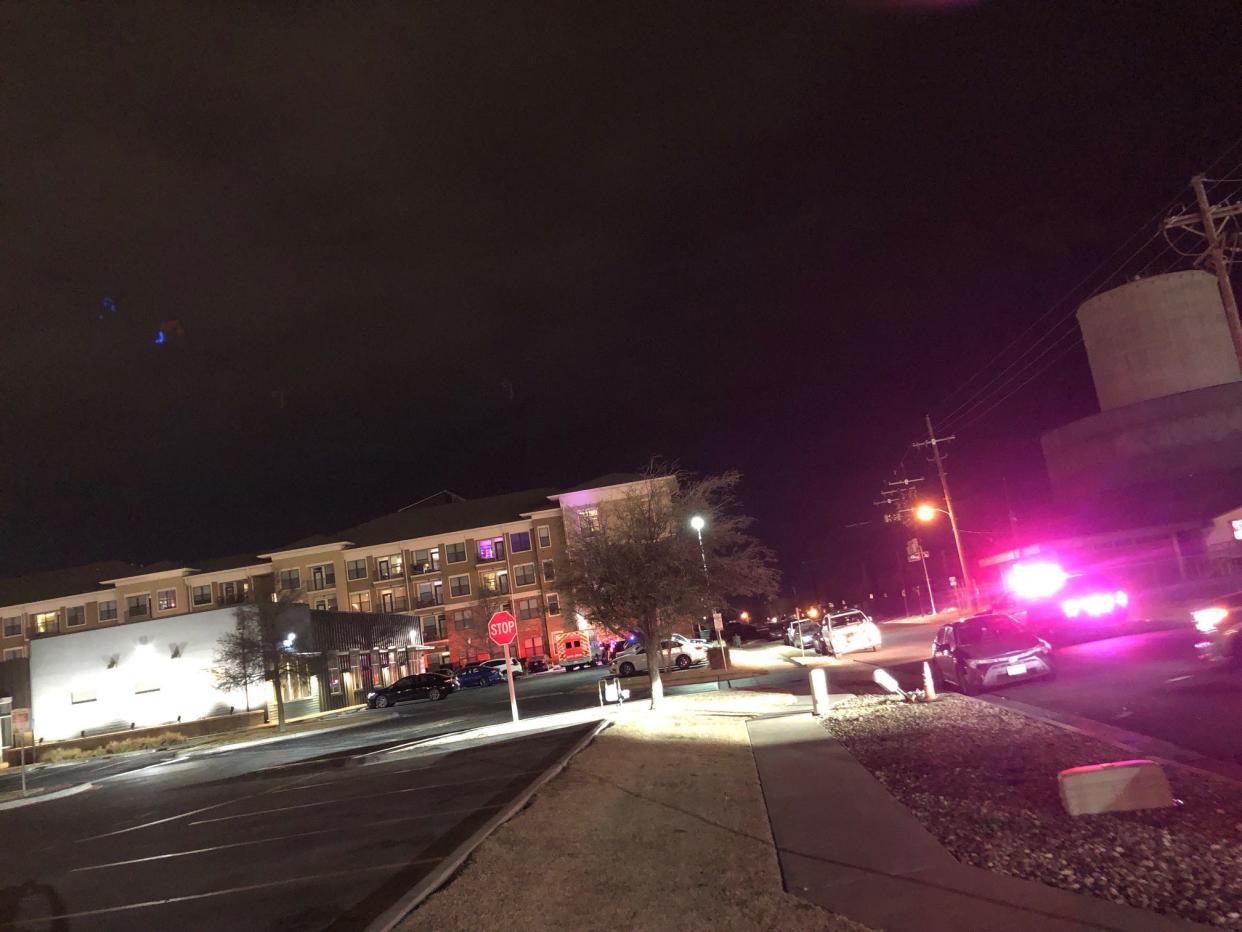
(659, 824)
(117, 746)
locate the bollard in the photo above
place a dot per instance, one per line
(819, 691)
(929, 683)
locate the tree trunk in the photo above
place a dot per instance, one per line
(657, 684)
(280, 704)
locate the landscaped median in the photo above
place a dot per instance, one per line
(983, 780)
(658, 824)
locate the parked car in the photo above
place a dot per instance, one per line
(1220, 624)
(682, 639)
(984, 651)
(801, 632)
(499, 666)
(537, 665)
(846, 632)
(431, 686)
(634, 659)
(480, 675)
(744, 630)
(695, 647)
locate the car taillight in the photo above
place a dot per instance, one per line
(1095, 605)
(1072, 608)
(1206, 619)
(1122, 599)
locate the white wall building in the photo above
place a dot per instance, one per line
(150, 674)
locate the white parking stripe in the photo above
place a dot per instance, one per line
(264, 841)
(346, 799)
(147, 904)
(171, 818)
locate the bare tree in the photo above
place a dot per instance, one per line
(636, 564)
(239, 658)
(262, 626)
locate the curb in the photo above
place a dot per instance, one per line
(446, 868)
(1163, 752)
(236, 745)
(46, 797)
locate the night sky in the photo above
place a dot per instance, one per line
(401, 247)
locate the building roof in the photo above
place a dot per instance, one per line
(71, 580)
(600, 482)
(429, 520)
(216, 564)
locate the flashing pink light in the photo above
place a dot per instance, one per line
(1036, 580)
(1095, 605)
(1206, 619)
(1122, 599)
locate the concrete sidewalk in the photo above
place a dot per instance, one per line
(846, 844)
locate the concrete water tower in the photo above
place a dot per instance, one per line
(1169, 386)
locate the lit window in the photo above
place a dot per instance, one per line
(360, 601)
(455, 553)
(1237, 529)
(46, 622)
(588, 520)
(524, 575)
(428, 561)
(388, 567)
(166, 599)
(519, 542)
(495, 583)
(491, 549)
(545, 535)
(554, 604)
(107, 610)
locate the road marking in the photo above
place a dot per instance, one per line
(1178, 679)
(264, 841)
(346, 799)
(146, 904)
(171, 818)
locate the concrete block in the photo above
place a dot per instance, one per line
(1114, 787)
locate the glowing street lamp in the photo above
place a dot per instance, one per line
(745, 616)
(926, 512)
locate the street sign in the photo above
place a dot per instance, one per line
(953, 581)
(502, 628)
(717, 622)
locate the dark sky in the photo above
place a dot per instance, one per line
(492, 246)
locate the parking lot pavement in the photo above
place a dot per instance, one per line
(189, 847)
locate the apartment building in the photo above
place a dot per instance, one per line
(445, 562)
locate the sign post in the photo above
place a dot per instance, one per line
(502, 628)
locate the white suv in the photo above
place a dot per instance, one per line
(499, 665)
(634, 659)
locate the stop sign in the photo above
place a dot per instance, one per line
(502, 628)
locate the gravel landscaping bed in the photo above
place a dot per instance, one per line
(984, 782)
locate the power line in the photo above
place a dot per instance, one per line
(984, 413)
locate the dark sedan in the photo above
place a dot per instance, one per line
(1219, 624)
(430, 686)
(984, 651)
(480, 675)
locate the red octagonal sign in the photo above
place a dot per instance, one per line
(502, 628)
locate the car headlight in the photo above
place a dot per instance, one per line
(371, 695)
(1206, 619)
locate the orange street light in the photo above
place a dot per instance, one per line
(812, 612)
(926, 512)
(745, 616)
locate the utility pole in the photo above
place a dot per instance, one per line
(934, 442)
(1206, 217)
(898, 499)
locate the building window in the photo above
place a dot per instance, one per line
(527, 609)
(326, 604)
(524, 575)
(75, 616)
(360, 601)
(430, 593)
(434, 628)
(356, 569)
(455, 553)
(201, 595)
(495, 583)
(15, 653)
(545, 535)
(107, 610)
(233, 593)
(532, 647)
(46, 623)
(459, 585)
(427, 561)
(549, 571)
(289, 579)
(491, 549)
(463, 619)
(389, 567)
(138, 606)
(13, 626)
(519, 541)
(588, 520)
(322, 577)
(554, 604)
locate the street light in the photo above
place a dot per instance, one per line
(698, 523)
(927, 512)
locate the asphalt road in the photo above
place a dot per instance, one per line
(544, 694)
(187, 845)
(1149, 682)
